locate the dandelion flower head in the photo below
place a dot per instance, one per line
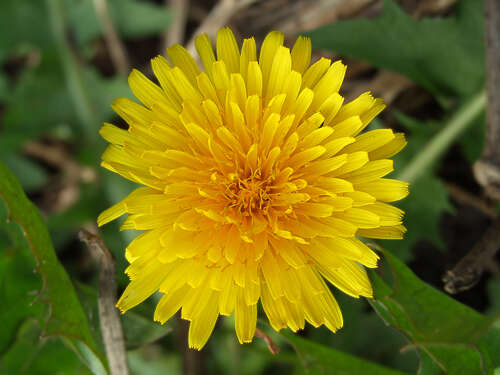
(257, 185)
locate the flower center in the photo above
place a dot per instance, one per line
(249, 194)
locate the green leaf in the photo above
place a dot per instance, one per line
(458, 339)
(33, 355)
(66, 317)
(444, 55)
(320, 359)
(132, 18)
(17, 281)
(362, 327)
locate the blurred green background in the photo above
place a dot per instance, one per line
(58, 77)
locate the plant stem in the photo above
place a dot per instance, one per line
(440, 143)
(72, 71)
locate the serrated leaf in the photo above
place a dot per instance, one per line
(444, 55)
(66, 318)
(457, 338)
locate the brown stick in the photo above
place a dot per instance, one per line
(175, 34)
(117, 50)
(487, 169)
(468, 271)
(111, 327)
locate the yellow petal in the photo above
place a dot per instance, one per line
(389, 215)
(370, 171)
(181, 58)
(170, 304)
(132, 112)
(328, 84)
(269, 47)
(144, 90)
(359, 217)
(385, 189)
(245, 318)
(387, 233)
(389, 149)
(142, 287)
(301, 54)
(227, 50)
(254, 79)
(349, 278)
(280, 69)
(201, 328)
(204, 47)
(161, 68)
(371, 140)
(248, 53)
(314, 73)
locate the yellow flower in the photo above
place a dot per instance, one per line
(257, 185)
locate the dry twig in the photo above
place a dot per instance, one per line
(109, 318)
(468, 271)
(117, 50)
(487, 169)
